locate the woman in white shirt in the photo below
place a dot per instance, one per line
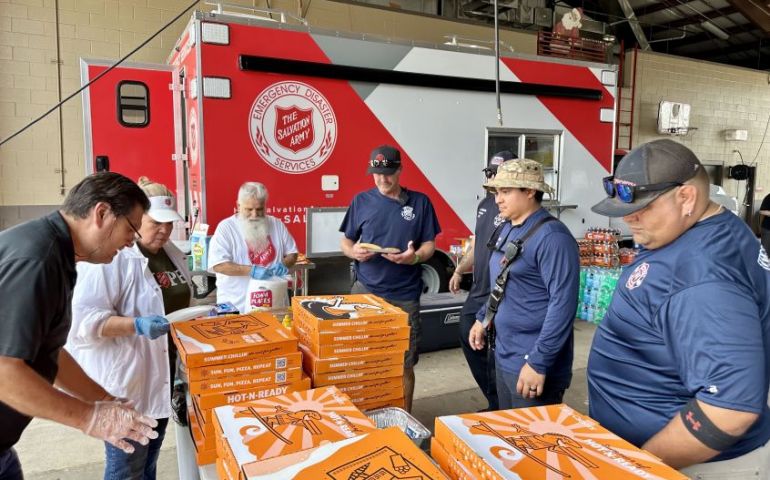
(119, 333)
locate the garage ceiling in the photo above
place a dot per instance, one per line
(734, 32)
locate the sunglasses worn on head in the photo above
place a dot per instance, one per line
(627, 193)
(382, 163)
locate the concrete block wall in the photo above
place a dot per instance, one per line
(39, 166)
(721, 97)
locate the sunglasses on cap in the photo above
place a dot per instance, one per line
(489, 173)
(627, 193)
(385, 163)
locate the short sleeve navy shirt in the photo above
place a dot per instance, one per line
(387, 222)
(37, 276)
(688, 320)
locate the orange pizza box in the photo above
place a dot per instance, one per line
(205, 452)
(314, 365)
(222, 472)
(243, 382)
(350, 349)
(251, 367)
(452, 466)
(365, 406)
(218, 399)
(337, 378)
(329, 313)
(363, 397)
(263, 430)
(231, 338)
(343, 337)
(369, 387)
(554, 442)
(380, 455)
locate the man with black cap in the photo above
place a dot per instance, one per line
(680, 365)
(393, 217)
(488, 222)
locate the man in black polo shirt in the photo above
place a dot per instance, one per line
(488, 222)
(391, 216)
(37, 275)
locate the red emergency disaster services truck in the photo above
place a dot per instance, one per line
(299, 110)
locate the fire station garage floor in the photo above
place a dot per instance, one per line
(50, 451)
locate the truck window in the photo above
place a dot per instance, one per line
(540, 145)
(133, 104)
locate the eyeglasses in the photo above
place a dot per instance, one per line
(627, 193)
(383, 163)
(489, 173)
(139, 235)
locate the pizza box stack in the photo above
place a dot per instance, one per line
(355, 342)
(231, 359)
(553, 442)
(263, 437)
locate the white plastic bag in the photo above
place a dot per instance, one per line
(267, 294)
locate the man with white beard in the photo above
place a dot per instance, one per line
(248, 245)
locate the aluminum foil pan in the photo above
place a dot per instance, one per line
(398, 417)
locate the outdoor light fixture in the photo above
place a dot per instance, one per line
(714, 30)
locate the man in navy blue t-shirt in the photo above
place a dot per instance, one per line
(534, 341)
(680, 364)
(390, 216)
(488, 224)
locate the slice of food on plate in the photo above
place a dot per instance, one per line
(378, 249)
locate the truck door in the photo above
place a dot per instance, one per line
(129, 120)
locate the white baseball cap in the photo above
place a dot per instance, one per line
(163, 209)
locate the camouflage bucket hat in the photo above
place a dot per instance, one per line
(519, 173)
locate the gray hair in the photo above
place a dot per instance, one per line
(253, 190)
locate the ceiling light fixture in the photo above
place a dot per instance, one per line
(714, 30)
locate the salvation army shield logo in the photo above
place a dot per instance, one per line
(638, 276)
(292, 127)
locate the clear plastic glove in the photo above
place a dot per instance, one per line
(259, 273)
(152, 326)
(114, 422)
(279, 270)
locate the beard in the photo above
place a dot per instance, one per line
(255, 232)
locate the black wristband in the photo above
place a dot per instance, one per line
(699, 425)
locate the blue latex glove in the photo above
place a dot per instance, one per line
(279, 270)
(152, 326)
(259, 273)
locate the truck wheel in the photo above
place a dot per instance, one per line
(434, 276)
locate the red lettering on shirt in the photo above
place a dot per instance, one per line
(265, 257)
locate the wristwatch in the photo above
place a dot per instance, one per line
(416, 259)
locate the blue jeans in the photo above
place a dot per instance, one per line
(140, 465)
(10, 467)
(509, 398)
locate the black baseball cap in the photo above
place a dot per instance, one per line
(497, 159)
(384, 160)
(654, 163)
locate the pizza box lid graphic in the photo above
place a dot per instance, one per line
(282, 425)
(380, 455)
(553, 442)
(325, 313)
(231, 338)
